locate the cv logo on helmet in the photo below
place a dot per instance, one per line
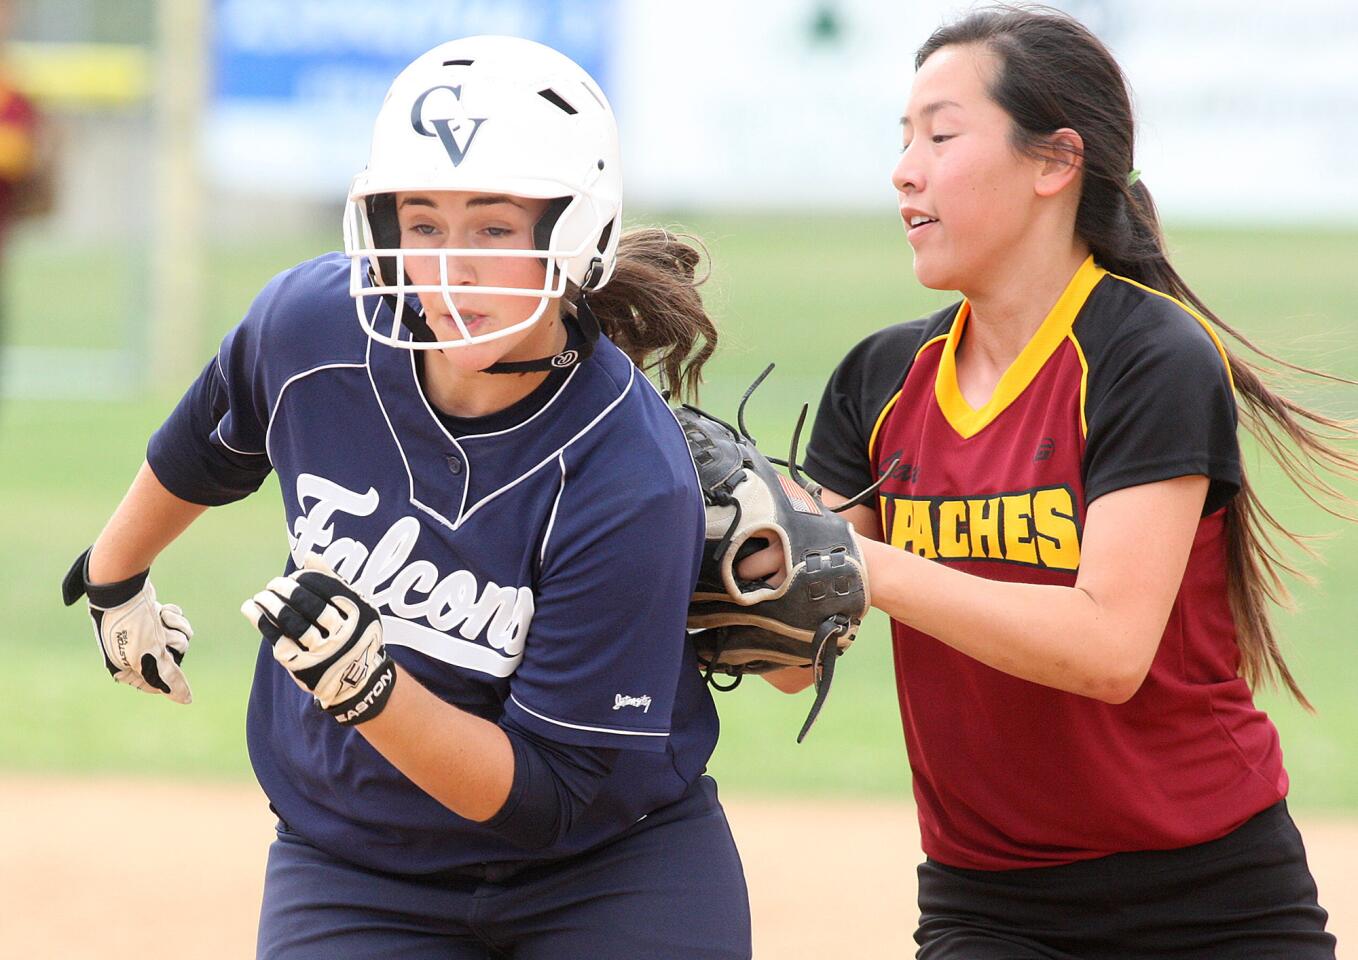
(445, 126)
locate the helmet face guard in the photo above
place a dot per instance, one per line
(378, 276)
(490, 115)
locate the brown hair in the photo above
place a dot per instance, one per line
(652, 310)
(1053, 74)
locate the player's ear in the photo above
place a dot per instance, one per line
(1060, 161)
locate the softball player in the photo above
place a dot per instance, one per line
(476, 714)
(1067, 545)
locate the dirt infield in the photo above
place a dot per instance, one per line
(114, 870)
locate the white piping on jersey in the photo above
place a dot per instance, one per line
(498, 433)
(432, 512)
(446, 648)
(528, 473)
(581, 726)
(698, 480)
(243, 453)
(551, 521)
(405, 462)
(438, 422)
(410, 476)
(466, 478)
(217, 362)
(463, 513)
(278, 400)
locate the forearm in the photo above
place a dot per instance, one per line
(462, 761)
(1053, 635)
(147, 520)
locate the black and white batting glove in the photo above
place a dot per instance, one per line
(329, 638)
(143, 641)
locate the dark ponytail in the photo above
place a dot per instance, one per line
(1053, 74)
(652, 310)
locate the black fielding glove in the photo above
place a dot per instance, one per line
(812, 616)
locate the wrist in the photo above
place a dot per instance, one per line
(103, 594)
(105, 590)
(370, 700)
(105, 567)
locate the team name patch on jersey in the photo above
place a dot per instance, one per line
(1036, 528)
(413, 590)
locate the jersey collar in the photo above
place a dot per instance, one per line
(968, 421)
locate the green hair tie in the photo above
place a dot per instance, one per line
(1133, 177)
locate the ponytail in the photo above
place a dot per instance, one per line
(1300, 440)
(652, 310)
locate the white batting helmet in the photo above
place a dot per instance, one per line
(487, 114)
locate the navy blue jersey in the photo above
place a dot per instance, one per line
(538, 571)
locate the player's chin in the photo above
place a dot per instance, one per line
(934, 272)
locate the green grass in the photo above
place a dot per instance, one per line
(790, 290)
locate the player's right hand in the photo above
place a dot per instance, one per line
(143, 641)
(328, 636)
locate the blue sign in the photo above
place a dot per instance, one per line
(297, 83)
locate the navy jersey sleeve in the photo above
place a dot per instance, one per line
(201, 453)
(1159, 405)
(602, 659)
(837, 455)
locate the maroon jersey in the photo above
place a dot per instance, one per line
(1120, 386)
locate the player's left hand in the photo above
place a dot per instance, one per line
(328, 637)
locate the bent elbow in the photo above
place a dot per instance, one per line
(1116, 692)
(1118, 686)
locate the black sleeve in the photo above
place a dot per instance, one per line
(553, 784)
(1159, 405)
(837, 455)
(191, 459)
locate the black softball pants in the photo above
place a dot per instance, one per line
(1246, 896)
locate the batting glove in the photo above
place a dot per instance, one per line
(143, 641)
(329, 638)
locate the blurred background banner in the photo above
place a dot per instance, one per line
(296, 85)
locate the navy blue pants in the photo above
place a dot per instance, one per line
(1246, 896)
(670, 886)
